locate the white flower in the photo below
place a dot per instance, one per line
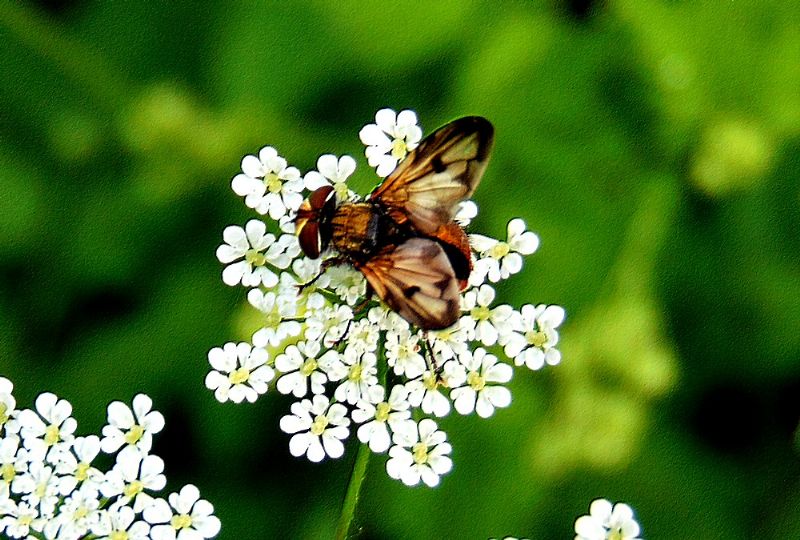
(386, 319)
(275, 309)
(8, 412)
(249, 250)
(425, 391)
(487, 323)
(450, 342)
(300, 368)
(420, 453)
(76, 465)
(76, 515)
(186, 517)
(607, 522)
(317, 428)
(535, 337)
(119, 522)
(40, 487)
(12, 462)
(20, 518)
(478, 394)
(505, 257)
(389, 139)
(268, 185)
(240, 372)
(131, 427)
(403, 354)
(332, 172)
(50, 427)
(362, 372)
(131, 475)
(328, 324)
(347, 282)
(363, 336)
(379, 416)
(306, 270)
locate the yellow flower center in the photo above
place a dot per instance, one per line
(499, 250)
(399, 148)
(273, 183)
(341, 190)
(239, 376)
(382, 411)
(82, 472)
(3, 413)
(480, 313)
(444, 335)
(537, 338)
(133, 489)
(118, 535)
(615, 535)
(81, 512)
(430, 381)
(134, 434)
(181, 521)
(319, 425)
(476, 381)
(51, 435)
(355, 372)
(420, 453)
(255, 257)
(25, 520)
(272, 319)
(308, 367)
(7, 472)
(40, 491)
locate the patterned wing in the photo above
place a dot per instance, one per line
(443, 170)
(417, 281)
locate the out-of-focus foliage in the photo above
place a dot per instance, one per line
(653, 145)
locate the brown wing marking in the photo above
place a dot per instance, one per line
(443, 170)
(416, 280)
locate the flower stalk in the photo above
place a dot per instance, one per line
(353, 492)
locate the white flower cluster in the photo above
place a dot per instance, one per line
(361, 367)
(607, 522)
(51, 488)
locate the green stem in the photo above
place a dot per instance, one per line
(353, 489)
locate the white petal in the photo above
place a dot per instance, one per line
(588, 527)
(526, 243)
(252, 167)
(232, 274)
(333, 446)
(242, 185)
(386, 119)
(600, 509)
(327, 164)
(120, 415)
(372, 135)
(347, 166)
(298, 444)
(314, 180)
(463, 400)
(406, 118)
(158, 512)
(481, 243)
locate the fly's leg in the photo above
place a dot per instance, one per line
(327, 263)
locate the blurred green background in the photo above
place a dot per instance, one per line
(653, 146)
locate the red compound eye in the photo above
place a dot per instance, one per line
(307, 223)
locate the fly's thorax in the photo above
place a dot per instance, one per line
(356, 230)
